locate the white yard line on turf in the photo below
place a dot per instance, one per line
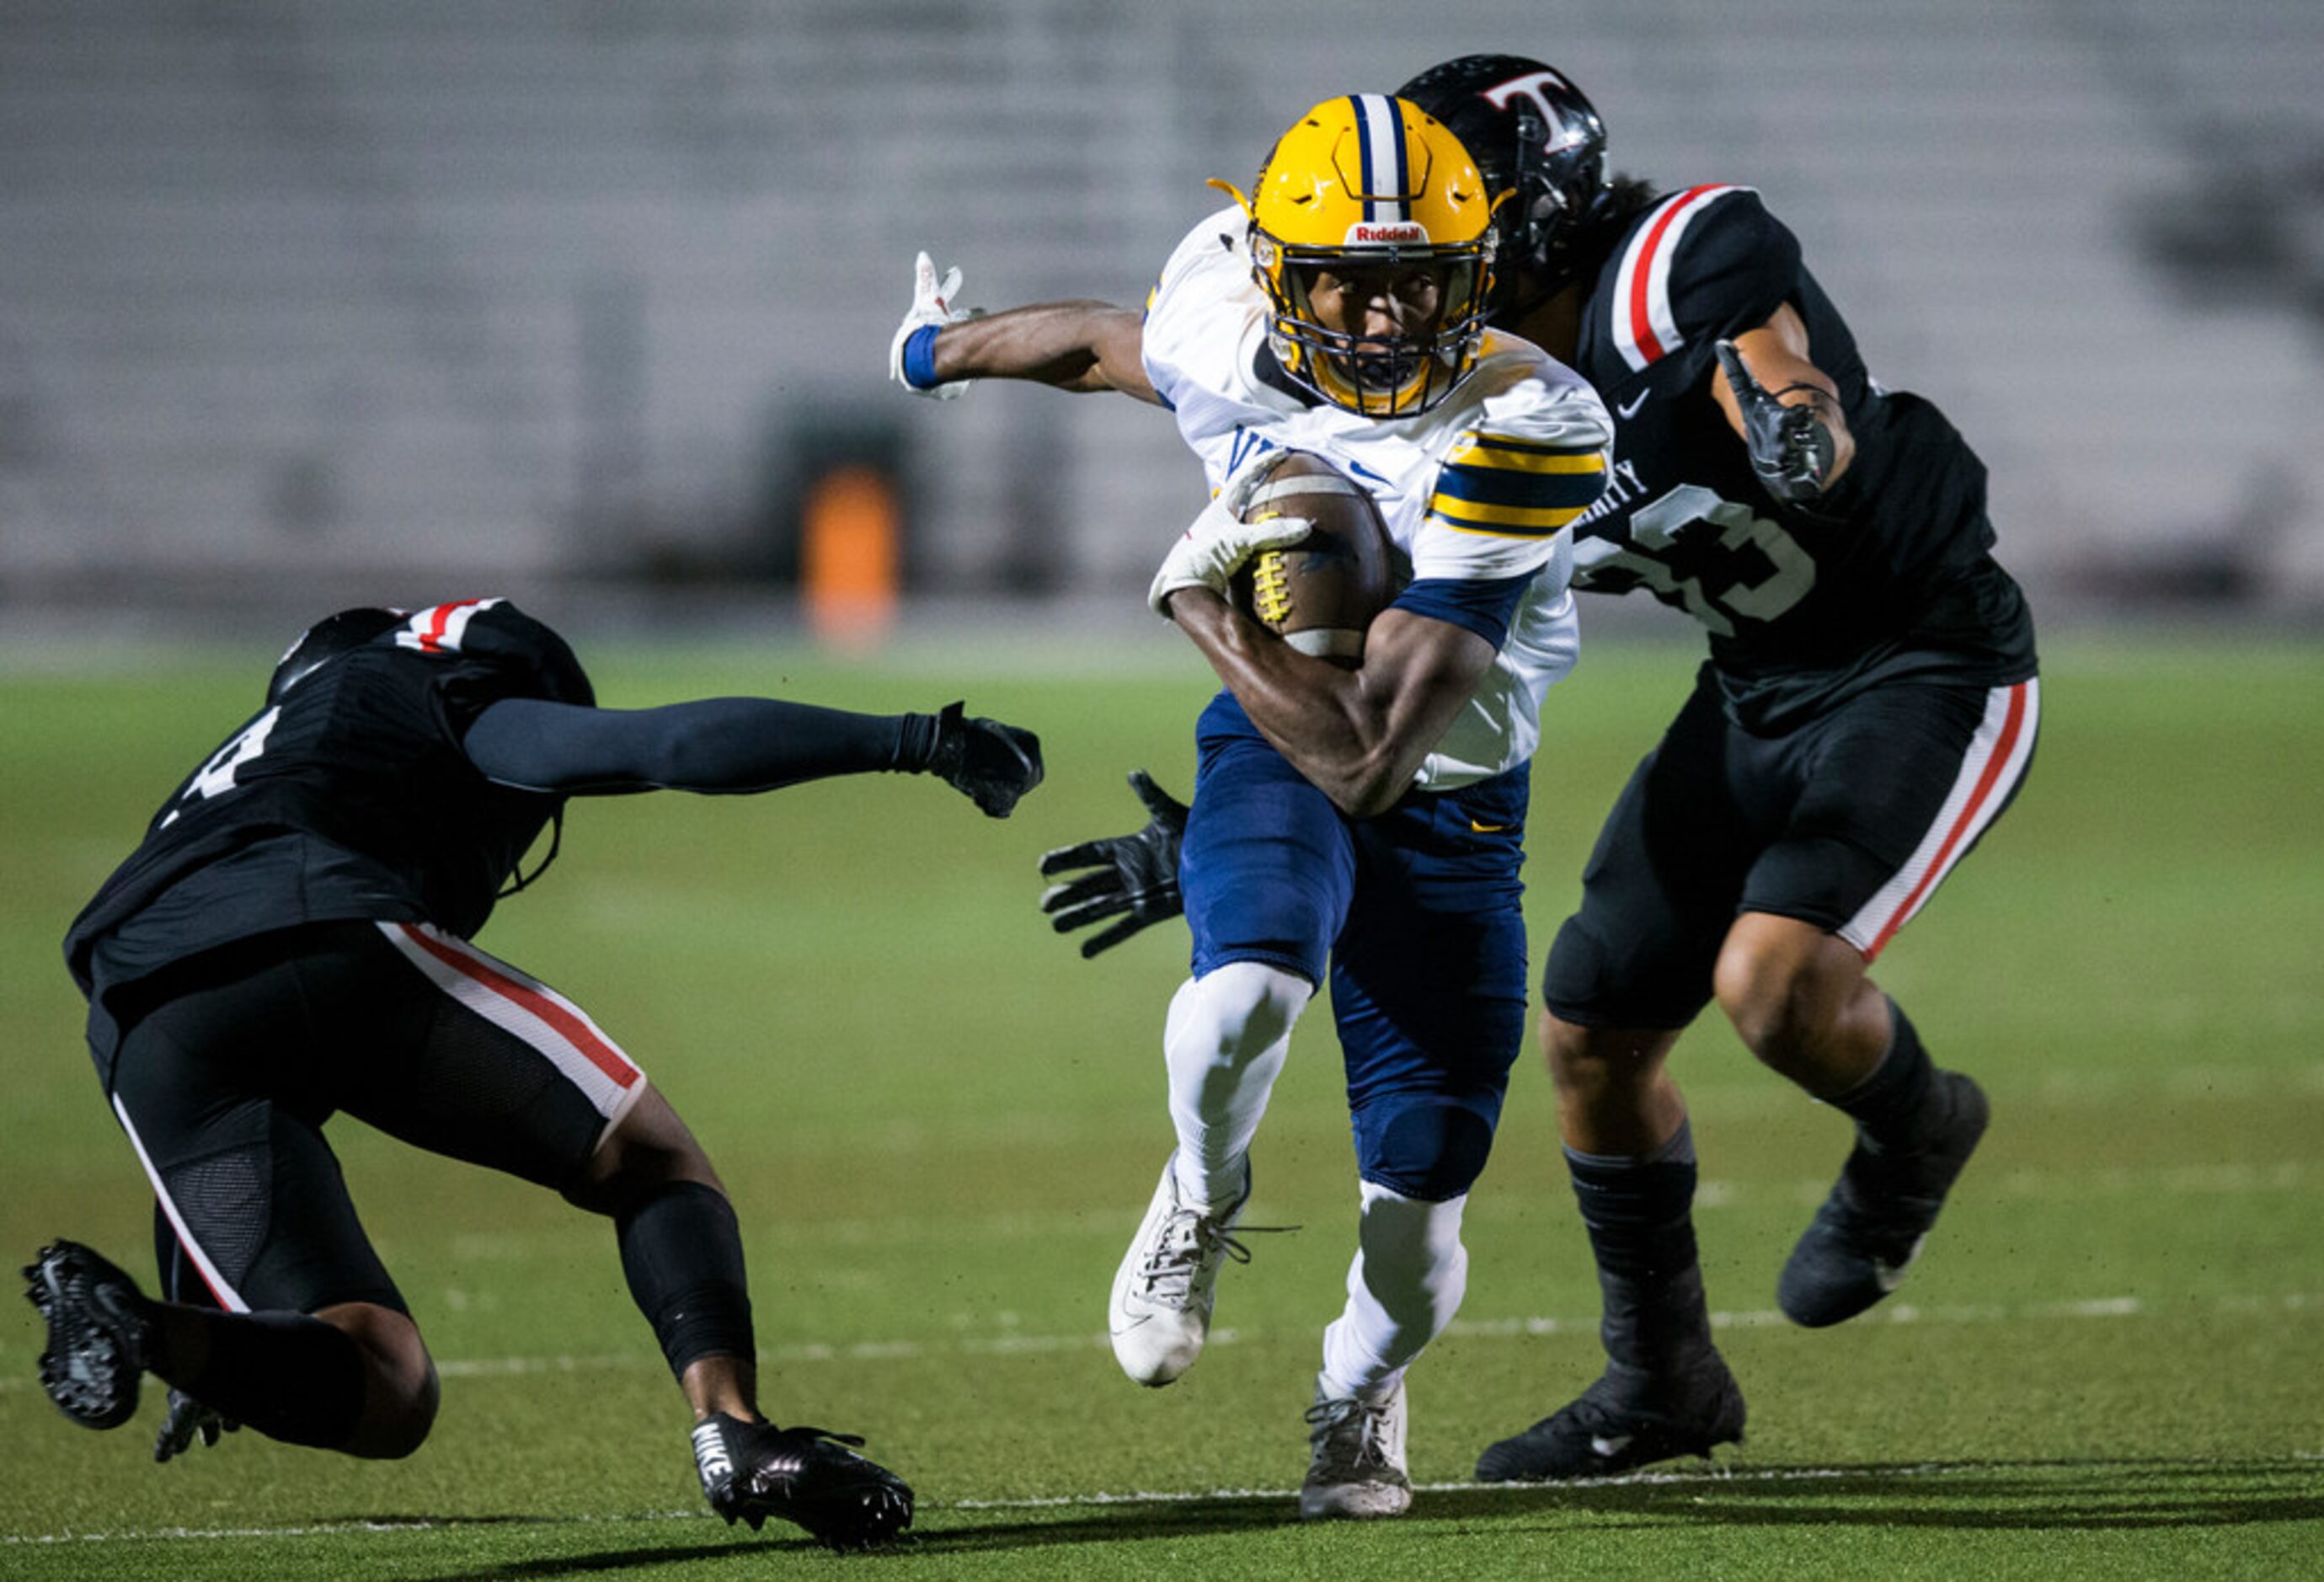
(2116, 1306)
(1715, 1475)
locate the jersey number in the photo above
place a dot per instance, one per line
(1716, 539)
(217, 776)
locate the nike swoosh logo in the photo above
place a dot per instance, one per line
(1491, 829)
(1630, 408)
(1604, 1444)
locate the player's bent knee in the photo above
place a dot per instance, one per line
(401, 1391)
(1234, 1013)
(1430, 1151)
(649, 1151)
(1780, 981)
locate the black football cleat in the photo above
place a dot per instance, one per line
(100, 1333)
(1624, 1421)
(1870, 1228)
(754, 1470)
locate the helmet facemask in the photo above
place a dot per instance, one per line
(1371, 193)
(1375, 376)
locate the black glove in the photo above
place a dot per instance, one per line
(989, 764)
(188, 1420)
(1133, 874)
(1791, 449)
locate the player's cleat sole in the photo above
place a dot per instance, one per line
(1871, 1229)
(1158, 1313)
(99, 1334)
(753, 1470)
(1355, 1464)
(1624, 1422)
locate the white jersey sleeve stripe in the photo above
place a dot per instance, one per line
(1645, 327)
(1990, 771)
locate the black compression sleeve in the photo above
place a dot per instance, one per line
(728, 745)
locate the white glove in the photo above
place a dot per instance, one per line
(931, 304)
(1215, 546)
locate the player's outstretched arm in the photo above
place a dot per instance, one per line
(1080, 346)
(1785, 408)
(1132, 877)
(733, 746)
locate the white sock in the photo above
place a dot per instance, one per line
(1406, 1283)
(1224, 1043)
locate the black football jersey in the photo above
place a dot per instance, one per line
(1889, 574)
(349, 798)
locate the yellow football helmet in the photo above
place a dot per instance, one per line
(1375, 189)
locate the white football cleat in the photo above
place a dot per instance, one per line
(1161, 1311)
(1355, 1467)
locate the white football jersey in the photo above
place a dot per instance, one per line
(1480, 487)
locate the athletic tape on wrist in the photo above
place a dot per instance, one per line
(921, 357)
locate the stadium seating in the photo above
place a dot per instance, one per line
(540, 290)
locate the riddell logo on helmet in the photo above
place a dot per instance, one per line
(1395, 232)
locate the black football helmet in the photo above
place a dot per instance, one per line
(1533, 133)
(326, 639)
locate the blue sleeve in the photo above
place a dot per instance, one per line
(1484, 607)
(719, 744)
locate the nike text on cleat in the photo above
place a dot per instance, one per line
(1159, 1313)
(100, 1333)
(1627, 1420)
(753, 1470)
(1871, 1227)
(1355, 1464)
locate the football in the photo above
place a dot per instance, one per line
(1321, 593)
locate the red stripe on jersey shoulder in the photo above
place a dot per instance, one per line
(1647, 301)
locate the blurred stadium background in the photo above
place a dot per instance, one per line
(308, 302)
(312, 302)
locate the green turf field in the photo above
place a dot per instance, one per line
(940, 1126)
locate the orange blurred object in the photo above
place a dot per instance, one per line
(850, 555)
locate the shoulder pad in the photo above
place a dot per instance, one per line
(1704, 262)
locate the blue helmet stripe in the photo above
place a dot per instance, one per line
(1387, 170)
(1364, 150)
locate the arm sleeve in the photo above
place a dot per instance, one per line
(1484, 607)
(719, 744)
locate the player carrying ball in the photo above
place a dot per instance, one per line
(1364, 823)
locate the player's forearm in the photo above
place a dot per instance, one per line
(720, 746)
(1358, 741)
(1080, 346)
(1777, 355)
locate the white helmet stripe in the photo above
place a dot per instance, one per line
(1386, 175)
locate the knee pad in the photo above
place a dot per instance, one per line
(1429, 1147)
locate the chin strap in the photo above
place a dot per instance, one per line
(556, 840)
